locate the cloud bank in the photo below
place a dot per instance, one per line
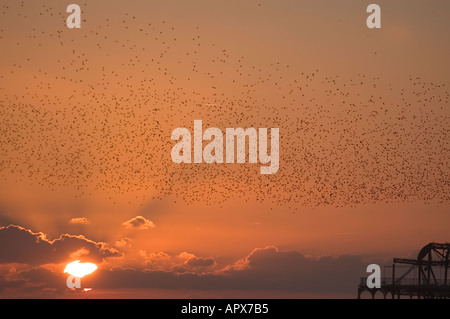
(80, 220)
(265, 269)
(21, 245)
(138, 222)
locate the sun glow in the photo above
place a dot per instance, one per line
(80, 270)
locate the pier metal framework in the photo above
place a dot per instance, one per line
(426, 277)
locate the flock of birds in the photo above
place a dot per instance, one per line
(93, 110)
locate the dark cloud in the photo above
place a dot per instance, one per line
(264, 269)
(270, 268)
(14, 283)
(34, 282)
(21, 245)
(42, 277)
(132, 278)
(200, 262)
(138, 222)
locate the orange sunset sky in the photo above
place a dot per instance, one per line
(86, 119)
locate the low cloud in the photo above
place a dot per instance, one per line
(21, 245)
(194, 261)
(185, 255)
(270, 268)
(123, 242)
(200, 262)
(183, 262)
(80, 220)
(263, 269)
(33, 282)
(138, 222)
(158, 255)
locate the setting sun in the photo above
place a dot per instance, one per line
(80, 270)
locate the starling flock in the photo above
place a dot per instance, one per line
(93, 110)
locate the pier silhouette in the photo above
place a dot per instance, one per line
(426, 277)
